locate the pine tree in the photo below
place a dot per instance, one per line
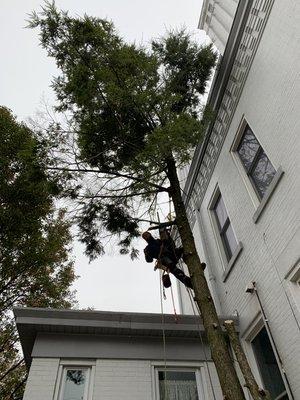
(136, 117)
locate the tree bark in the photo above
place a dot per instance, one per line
(256, 392)
(231, 387)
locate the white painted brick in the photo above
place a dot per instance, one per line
(270, 103)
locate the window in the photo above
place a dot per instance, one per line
(178, 385)
(74, 383)
(255, 161)
(267, 366)
(225, 228)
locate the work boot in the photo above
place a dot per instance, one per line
(188, 282)
(166, 281)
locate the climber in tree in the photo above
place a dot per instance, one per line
(165, 252)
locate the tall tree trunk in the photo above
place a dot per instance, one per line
(229, 381)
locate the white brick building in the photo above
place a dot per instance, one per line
(242, 190)
(94, 355)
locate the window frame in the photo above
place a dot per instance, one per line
(247, 336)
(282, 394)
(258, 202)
(222, 230)
(254, 162)
(197, 368)
(66, 365)
(227, 264)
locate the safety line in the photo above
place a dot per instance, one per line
(163, 334)
(201, 340)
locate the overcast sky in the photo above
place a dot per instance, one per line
(113, 282)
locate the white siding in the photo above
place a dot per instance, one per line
(113, 380)
(42, 379)
(123, 379)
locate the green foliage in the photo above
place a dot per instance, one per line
(132, 107)
(34, 241)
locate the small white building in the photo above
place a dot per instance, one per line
(243, 186)
(94, 355)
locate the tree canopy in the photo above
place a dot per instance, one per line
(132, 108)
(35, 269)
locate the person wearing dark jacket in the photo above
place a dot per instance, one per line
(168, 255)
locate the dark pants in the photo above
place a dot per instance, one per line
(177, 272)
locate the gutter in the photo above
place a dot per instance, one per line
(203, 13)
(219, 85)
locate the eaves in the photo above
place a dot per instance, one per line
(217, 91)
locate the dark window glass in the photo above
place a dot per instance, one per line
(267, 365)
(179, 385)
(262, 173)
(248, 148)
(257, 165)
(225, 228)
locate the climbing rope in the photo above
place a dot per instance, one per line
(201, 340)
(163, 296)
(163, 332)
(176, 317)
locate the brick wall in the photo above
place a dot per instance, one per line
(270, 104)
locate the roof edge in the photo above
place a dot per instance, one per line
(34, 321)
(219, 85)
(203, 14)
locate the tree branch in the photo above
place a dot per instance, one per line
(256, 392)
(11, 369)
(115, 173)
(118, 195)
(162, 225)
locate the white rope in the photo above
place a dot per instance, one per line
(201, 339)
(163, 332)
(202, 343)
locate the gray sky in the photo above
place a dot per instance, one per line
(112, 282)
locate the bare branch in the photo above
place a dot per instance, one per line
(115, 173)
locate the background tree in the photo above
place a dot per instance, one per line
(135, 115)
(35, 270)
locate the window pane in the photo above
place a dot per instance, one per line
(221, 212)
(177, 385)
(263, 174)
(267, 364)
(230, 239)
(74, 384)
(248, 148)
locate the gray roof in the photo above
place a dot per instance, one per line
(31, 321)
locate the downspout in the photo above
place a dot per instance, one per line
(253, 289)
